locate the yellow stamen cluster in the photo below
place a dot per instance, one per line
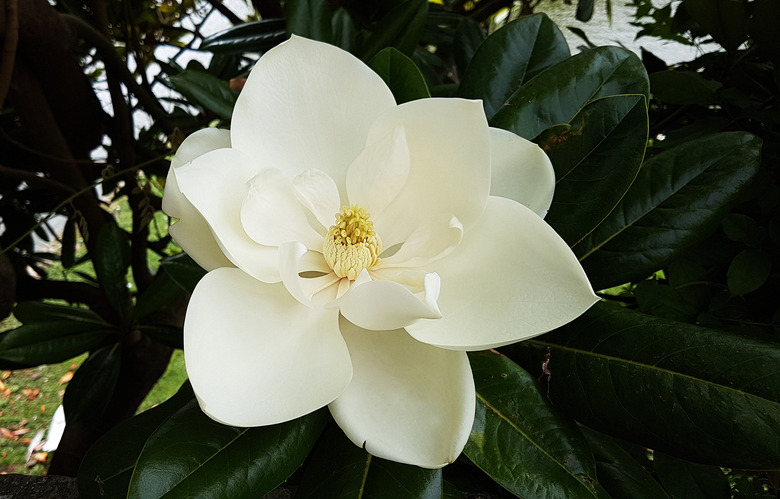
(351, 244)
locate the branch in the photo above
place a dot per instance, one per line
(217, 4)
(33, 179)
(114, 64)
(9, 48)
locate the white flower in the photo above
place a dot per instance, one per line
(355, 253)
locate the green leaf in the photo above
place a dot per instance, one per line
(51, 333)
(111, 261)
(510, 57)
(339, 468)
(686, 480)
(678, 198)
(596, 158)
(255, 36)
(109, 463)
(682, 87)
(183, 270)
(520, 441)
(343, 29)
(160, 292)
(401, 28)
(310, 19)
(725, 20)
(619, 473)
(468, 37)
(584, 10)
(748, 271)
(190, 455)
(400, 74)
(207, 91)
(557, 94)
(696, 393)
(92, 386)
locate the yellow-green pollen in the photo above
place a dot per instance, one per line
(351, 244)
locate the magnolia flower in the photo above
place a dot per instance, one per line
(357, 249)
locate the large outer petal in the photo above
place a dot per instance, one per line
(511, 278)
(216, 185)
(306, 105)
(408, 402)
(192, 232)
(449, 172)
(520, 170)
(255, 356)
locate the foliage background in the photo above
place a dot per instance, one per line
(668, 388)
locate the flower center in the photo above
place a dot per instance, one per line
(351, 244)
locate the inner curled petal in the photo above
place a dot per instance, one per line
(351, 244)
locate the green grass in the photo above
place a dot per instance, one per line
(29, 397)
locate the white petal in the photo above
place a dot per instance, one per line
(307, 105)
(383, 305)
(192, 232)
(520, 170)
(315, 190)
(407, 402)
(199, 143)
(379, 173)
(271, 214)
(216, 184)
(449, 154)
(295, 262)
(194, 236)
(434, 238)
(511, 278)
(255, 356)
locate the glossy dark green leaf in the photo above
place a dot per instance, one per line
(557, 94)
(748, 271)
(183, 270)
(108, 465)
(686, 480)
(340, 469)
(112, 258)
(190, 455)
(401, 28)
(255, 36)
(520, 441)
(160, 292)
(700, 394)
(619, 473)
(207, 91)
(400, 74)
(596, 157)
(51, 333)
(468, 37)
(92, 386)
(510, 57)
(676, 201)
(310, 19)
